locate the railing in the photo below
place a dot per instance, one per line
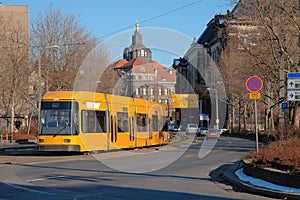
(6, 138)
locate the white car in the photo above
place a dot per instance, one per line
(192, 128)
(224, 130)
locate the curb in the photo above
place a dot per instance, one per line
(229, 175)
(18, 149)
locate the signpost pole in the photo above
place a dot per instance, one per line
(254, 85)
(256, 127)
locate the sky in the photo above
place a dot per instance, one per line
(106, 19)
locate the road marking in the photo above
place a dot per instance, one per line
(42, 179)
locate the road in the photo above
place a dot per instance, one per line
(119, 175)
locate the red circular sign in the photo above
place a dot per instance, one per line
(254, 84)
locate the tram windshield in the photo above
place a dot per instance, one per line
(59, 118)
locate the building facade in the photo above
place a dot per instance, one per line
(201, 65)
(137, 75)
(14, 65)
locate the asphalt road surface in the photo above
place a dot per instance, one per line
(185, 169)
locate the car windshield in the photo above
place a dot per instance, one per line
(59, 118)
(192, 126)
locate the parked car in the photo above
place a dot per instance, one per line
(202, 131)
(213, 133)
(174, 127)
(192, 128)
(224, 130)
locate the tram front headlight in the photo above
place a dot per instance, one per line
(67, 140)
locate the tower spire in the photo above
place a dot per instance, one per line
(137, 28)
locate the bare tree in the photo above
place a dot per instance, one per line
(62, 45)
(274, 48)
(14, 70)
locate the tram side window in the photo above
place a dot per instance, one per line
(141, 122)
(122, 118)
(155, 123)
(93, 121)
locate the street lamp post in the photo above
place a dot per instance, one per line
(217, 107)
(40, 80)
(39, 93)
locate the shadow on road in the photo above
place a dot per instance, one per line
(10, 191)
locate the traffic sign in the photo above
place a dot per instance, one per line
(293, 83)
(284, 106)
(203, 116)
(294, 75)
(254, 95)
(293, 95)
(254, 84)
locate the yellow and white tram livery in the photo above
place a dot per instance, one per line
(78, 121)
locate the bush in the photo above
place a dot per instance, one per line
(283, 154)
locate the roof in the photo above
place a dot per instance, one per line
(138, 66)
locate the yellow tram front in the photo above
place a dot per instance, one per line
(65, 115)
(59, 126)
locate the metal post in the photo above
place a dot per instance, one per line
(40, 81)
(256, 127)
(39, 93)
(200, 112)
(281, 71)
(269, 109)
(217, 110)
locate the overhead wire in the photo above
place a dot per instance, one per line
(152, 18)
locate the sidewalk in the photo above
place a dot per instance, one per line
(230, 176)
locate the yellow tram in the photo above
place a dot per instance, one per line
(79, 121)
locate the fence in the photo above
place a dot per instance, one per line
(6, 138)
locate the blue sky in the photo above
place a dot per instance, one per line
(107, 18)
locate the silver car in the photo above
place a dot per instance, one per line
(192, 128)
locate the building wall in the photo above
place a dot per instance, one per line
(14, 41)
(14, 20)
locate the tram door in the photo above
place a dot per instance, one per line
(113, 132)
(131, 132)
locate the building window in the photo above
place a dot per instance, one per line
(151, 91)
(142, 52)
(166, 91)
(245, 41)
(144, 91)
(159, 91)
(137, 91)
